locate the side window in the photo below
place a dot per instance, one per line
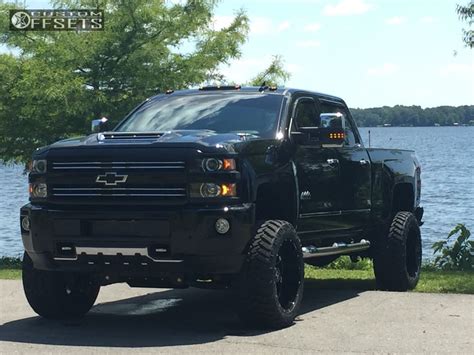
(350, 137)
(306, 114)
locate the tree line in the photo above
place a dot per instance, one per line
(414, 116)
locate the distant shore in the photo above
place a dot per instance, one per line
(414, 116)
(404, 126)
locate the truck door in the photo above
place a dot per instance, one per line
(317, 172)
(355, 169)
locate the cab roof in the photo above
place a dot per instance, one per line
(249, 89)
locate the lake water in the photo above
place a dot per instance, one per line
(446, 155)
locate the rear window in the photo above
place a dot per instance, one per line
(254, 113)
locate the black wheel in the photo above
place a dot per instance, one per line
(272, 279)
(397, 260)
(58, 295)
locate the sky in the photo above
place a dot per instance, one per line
(369, 52)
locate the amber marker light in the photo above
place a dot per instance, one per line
(228, 164)
(229, 190)
(336, 135)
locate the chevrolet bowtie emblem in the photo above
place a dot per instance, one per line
(111, 179)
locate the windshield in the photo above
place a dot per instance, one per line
(254, 113)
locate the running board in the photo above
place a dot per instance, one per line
(311, 251)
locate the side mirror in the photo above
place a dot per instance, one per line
(100, 125)
(332, 132)
(328, 137)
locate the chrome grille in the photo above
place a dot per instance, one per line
(118, 165)
(119, 192)
(99, 181)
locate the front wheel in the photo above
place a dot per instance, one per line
(397, 260)
(58, 295)
(272, 279)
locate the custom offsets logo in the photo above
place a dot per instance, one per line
(56, 20)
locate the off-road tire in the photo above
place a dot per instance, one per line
(58, 295)
(272, 279)
(397, 259)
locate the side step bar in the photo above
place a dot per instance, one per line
(311, 251)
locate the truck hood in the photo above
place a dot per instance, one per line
(207, 141)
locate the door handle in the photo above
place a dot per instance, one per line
(363, 162)
(332, 161)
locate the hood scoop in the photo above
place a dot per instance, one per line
(120, 137)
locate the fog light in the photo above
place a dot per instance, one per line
(222, 226)
(25, 223)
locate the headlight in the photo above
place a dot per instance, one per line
(39, 166)
(212, 190)
(215, 164)
(38, 190)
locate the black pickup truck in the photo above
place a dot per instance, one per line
(221, 187)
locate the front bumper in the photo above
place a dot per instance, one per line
(138, 242)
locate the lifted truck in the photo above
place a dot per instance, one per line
(218, 187)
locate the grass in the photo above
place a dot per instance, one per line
(342, 274)
(10, 268)
(432, 281)
(10, 274)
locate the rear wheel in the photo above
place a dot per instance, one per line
(271, 284)
(58, 295)
(397, 260)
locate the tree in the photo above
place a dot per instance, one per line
(274, 75)
(55, 83)
(466, 14)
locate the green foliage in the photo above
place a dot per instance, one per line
(7, 262)
(345, 263)
(55, 83)
(458, 255)
(413, 116)
(466, 14)
(274, 75)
